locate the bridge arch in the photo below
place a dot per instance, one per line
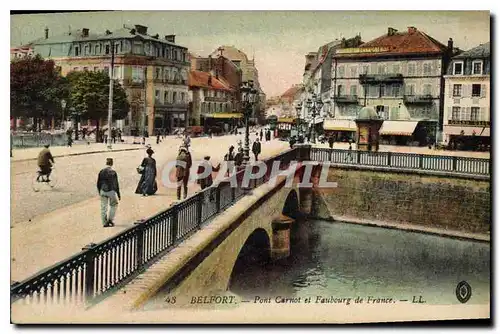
(291, 208)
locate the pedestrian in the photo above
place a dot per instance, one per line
(229, 155)
(261, 134)
(120, 135)
(238, 158)
(113, 135)
(349, 153)
(157, 137)
(292, 142)
(206, 181)
(105, 138)
(109, 190)
(256, 149)
(84, 133)
(187, 140)
(69, 135)
(147, 184)
(182, 170)
(331, 141)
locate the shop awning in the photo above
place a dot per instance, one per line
(224, 115)
(398, 128)
(339, 125)
(286, 120)
(468, 130)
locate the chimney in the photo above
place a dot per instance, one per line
(210, 79)
(143, 30)
(108, 32)
(156, 36)
(412, 30)
(170, 38)
(450, 44)
(391, 31)
(46, 33)
(209, 63)
(85, 32)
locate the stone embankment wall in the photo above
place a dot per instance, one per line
(434, 201)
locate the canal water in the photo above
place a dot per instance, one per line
(348, 260)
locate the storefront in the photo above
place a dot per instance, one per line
(221, 122)
(468, 135)
(398, 132)
(342, 130)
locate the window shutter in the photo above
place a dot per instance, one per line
(482, 116)
(419, 68)
(483, 90)
(450, 115)
(467, 113)
(405, 69)
(450, 90)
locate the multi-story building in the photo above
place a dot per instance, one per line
(249, 71)
(400, 74)
(467, 98)
(212, 100)
(153, 71)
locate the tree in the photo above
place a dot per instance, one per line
(89, 96)
(36, 88)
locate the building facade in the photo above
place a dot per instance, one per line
(467, 99)
(152, 70)
(211, 100)
(401, 76)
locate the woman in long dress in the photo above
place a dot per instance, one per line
(147, 184)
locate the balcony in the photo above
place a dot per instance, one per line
(345, 99)
(366, 79)
(215, 99)
(169, 106)
(133, 83)
(418, 99)
(469, 123)
(168, 81)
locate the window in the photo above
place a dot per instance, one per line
(86, 49)
(107, 50)
(77, 51)
(365, 69)
(85, 68)
(165, 96)
(476, 90)
(106, 69)
(354, 72)
(427, 69)
(458, 68)
(382, 90)
(427, 89)
(340, 73)
(411, 69)
(457, 90)
(455, 114)
(157, 94)
(340, 90)
(374, 91)
(137, 74)
(477, 67)
(98, 49)
(382, 69)
(410, 89)
(354, 90)
(138, 48)
(183, 95)
(174, 97)
(117, 48)
(395, 69)
(96, 68)
(395, 90)
(474, 114)
(157, 73)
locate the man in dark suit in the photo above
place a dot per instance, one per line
(109, 190)
(256, 149)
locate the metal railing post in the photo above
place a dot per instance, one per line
(217, 198)
(139, 251)
(389, 157)
(174, 228)
(420, 161)
(199, 208)
(358, 157)
(454, 162)
(89, 271)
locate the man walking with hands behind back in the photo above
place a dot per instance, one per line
(256, 149)
(109, 190)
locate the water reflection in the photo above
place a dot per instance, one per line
(347, 260)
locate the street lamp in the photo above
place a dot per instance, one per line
(298, 107)
(110, 101)
(63, 105)
(315, 104)
(248, 94)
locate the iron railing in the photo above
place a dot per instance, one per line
(441, 163)
(100, 269)
(38, 139)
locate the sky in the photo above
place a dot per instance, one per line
(278, 40)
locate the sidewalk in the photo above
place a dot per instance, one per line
(21, 154)
(53, 237)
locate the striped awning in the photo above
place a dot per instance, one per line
(224, 115)
(339, 125)
(398, 128)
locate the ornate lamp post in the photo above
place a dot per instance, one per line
(248, 94)
(298, 107)
(315, 104)
(63, 106)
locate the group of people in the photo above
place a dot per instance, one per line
(266, 132)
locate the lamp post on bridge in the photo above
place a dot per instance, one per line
(315, 105)
(63, 107)
(248, 94)
(298, 107)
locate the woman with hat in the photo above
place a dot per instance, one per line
(182, 170)
(147, 184)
